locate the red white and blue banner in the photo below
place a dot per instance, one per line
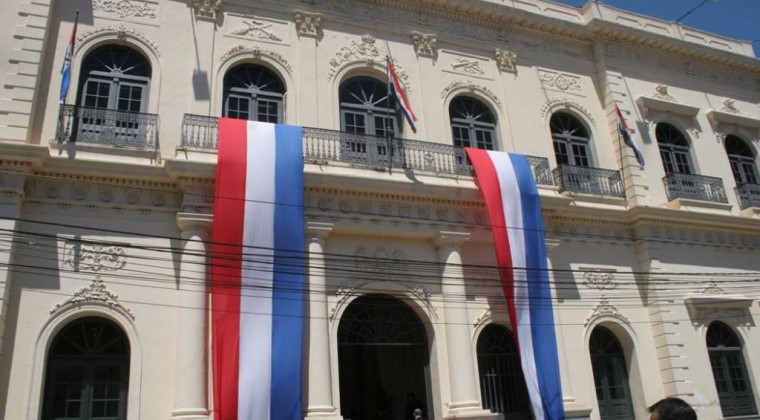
(625, 132)
(514, 206)
(396, 92)
(257, 275)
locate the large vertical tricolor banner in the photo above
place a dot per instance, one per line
(257, 275)
(509, 189)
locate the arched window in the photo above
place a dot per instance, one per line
(502, 384)
(674, 149)
(87, 372)
(729, 371)
(472, 123)
(365, 108)
(742, 160)
(571, 140)
(253, 93)
(115, 77)
(610, 376)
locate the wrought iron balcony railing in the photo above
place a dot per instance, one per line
(749, 195)
(596, 181)
(107, 126)
(695, 187)
(320, 145)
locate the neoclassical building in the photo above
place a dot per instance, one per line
(107, 203)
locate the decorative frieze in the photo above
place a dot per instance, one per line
(729, 106)
(467, 66)
(559, 81)
(368, 52)
(557, 104)
(661, 92)
(598, 278)
(125, 8)
(256, 29)
(91, 194)
(95, 257)
(424, 44)
(95, 294)
(380, 264)
(308, 24)
(121, 32)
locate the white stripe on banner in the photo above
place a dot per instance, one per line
(512, 205)
(254, 390)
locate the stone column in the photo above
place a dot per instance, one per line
(320, 404)
(463, 382)
(191, 377)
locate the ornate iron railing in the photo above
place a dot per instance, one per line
(107, 126)
(596, 181)
(696, 187)
(749, 195)
(320, 145)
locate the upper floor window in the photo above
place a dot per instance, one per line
(87, 372)
(742, 160)
(115, 77)
(472, 123)
(729, 371)
(674, 149)
(571, 140)
(254, 93)
(365, 108)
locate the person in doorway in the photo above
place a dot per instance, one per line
(672, 409)
(418, 414)
(411, 404)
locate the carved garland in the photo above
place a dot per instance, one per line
(472, 87)
(605, 309)
(125, 8)
(95, 293)
(257, 52)
(120, 32)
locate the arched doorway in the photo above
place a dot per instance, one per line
(383, 360)
(610, 376)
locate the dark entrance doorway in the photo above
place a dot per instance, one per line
(383, 360)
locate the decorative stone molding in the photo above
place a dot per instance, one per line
(125, 8)
(355, 288)
(367, 51)
(97, 257)
(472, 87)
(605, 309)
(380, 264)
(12, 187)
(598, 278)
(206, 9)
(256, 29)
(559, 81)
(463, 65)
(96, 293)
(424, 44)
(256, 52)
(729, 106)
(506, 61)
(713, 302)
(661, 92)
(342, 295)
(308, 24)
(554, 105)
(148, 196)
(119, 32)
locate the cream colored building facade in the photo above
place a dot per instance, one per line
(107, 202)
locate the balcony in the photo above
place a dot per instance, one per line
(586, 180)
(695, 187)
(107, 127)
(324, 146)
(749, 195)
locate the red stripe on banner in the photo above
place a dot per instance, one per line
(227, 237)
(488, 181)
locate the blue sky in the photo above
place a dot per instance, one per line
(738, 19)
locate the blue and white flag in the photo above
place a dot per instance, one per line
(66, 69)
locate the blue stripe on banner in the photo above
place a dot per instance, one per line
(287, 319)
(542, 318)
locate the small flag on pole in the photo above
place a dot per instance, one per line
(625, 132)
(66, 69)
(396, 91)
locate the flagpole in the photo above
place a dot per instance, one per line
(389, 133)
(68, 56)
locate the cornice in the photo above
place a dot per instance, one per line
(32, 154)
